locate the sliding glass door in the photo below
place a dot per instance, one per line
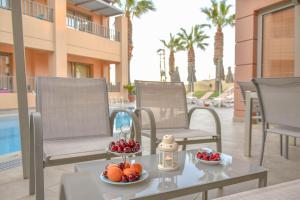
(79, 70)
(277, 52)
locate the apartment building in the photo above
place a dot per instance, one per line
(64, 38)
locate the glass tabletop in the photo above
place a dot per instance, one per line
(191, 173)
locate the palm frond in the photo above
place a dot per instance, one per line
(165, 43)
(142, 7)
(219, 13)
(196, 37)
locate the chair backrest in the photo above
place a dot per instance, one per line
(246, 86)
(72, 107)
(279, 100)
(167, 100)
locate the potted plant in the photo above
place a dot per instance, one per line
(131, 92)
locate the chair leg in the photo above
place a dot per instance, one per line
(153, 146)
(39, 179)
(286, 153)
(184, 144)
(39, 167)
(263, 147)
(219, 144)
(281, 148)
(295, 141)
(32, 166)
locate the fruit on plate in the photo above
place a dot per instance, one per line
(128, 171)
(114, 174)
(137, 168)
(123, 146)
(111, 165)
(209, 156)
(123, 172)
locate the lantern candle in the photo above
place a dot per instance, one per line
(168, 154)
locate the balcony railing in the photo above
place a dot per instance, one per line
(38, 10)
(84, 25)
(114, 87)
(8, 84)
(33, 9)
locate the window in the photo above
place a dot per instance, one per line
(276, 42)
(5, 72)
(79, 70)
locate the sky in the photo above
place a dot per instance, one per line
(169, 17)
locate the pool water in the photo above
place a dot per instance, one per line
(10, 136)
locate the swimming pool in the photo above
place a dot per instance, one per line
(10, 137)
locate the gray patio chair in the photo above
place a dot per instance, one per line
(280, 107)
(71, 124)
(162, 109)
(249, 86)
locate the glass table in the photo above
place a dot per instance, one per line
(191, 177)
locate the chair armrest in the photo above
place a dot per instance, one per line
(36, 133)
(151, 118)
(214, 114)
(36, 154)
(135, 123)
(152, 126)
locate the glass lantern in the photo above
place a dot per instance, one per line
(168, 154)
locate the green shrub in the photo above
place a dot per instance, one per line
(214, 95)
(199, 94)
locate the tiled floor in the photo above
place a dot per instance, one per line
(12, 186)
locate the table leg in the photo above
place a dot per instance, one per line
(248, 125)
(204, 195)
(263, 181)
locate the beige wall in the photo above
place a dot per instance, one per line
(246, 45)
(122, 68)
(58, 60)
(37, 33)
(89, 45)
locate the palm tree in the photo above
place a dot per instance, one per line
(133, 8)
(195, 37)
(219, 16)
(174, 45)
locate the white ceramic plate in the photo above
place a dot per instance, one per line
(143, 177)
(212, 162)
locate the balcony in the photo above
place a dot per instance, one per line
(33, 9)
(84, 25)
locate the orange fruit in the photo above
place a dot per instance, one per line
(114, 174)
(111, 165)
(128, 171)
(126, 165)
(137, 167)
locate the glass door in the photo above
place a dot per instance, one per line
(79, 70)
(277, 38)
(5, 72)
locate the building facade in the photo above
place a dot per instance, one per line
(64, 38)
(267, 42)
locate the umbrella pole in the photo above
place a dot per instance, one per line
(21, 82)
